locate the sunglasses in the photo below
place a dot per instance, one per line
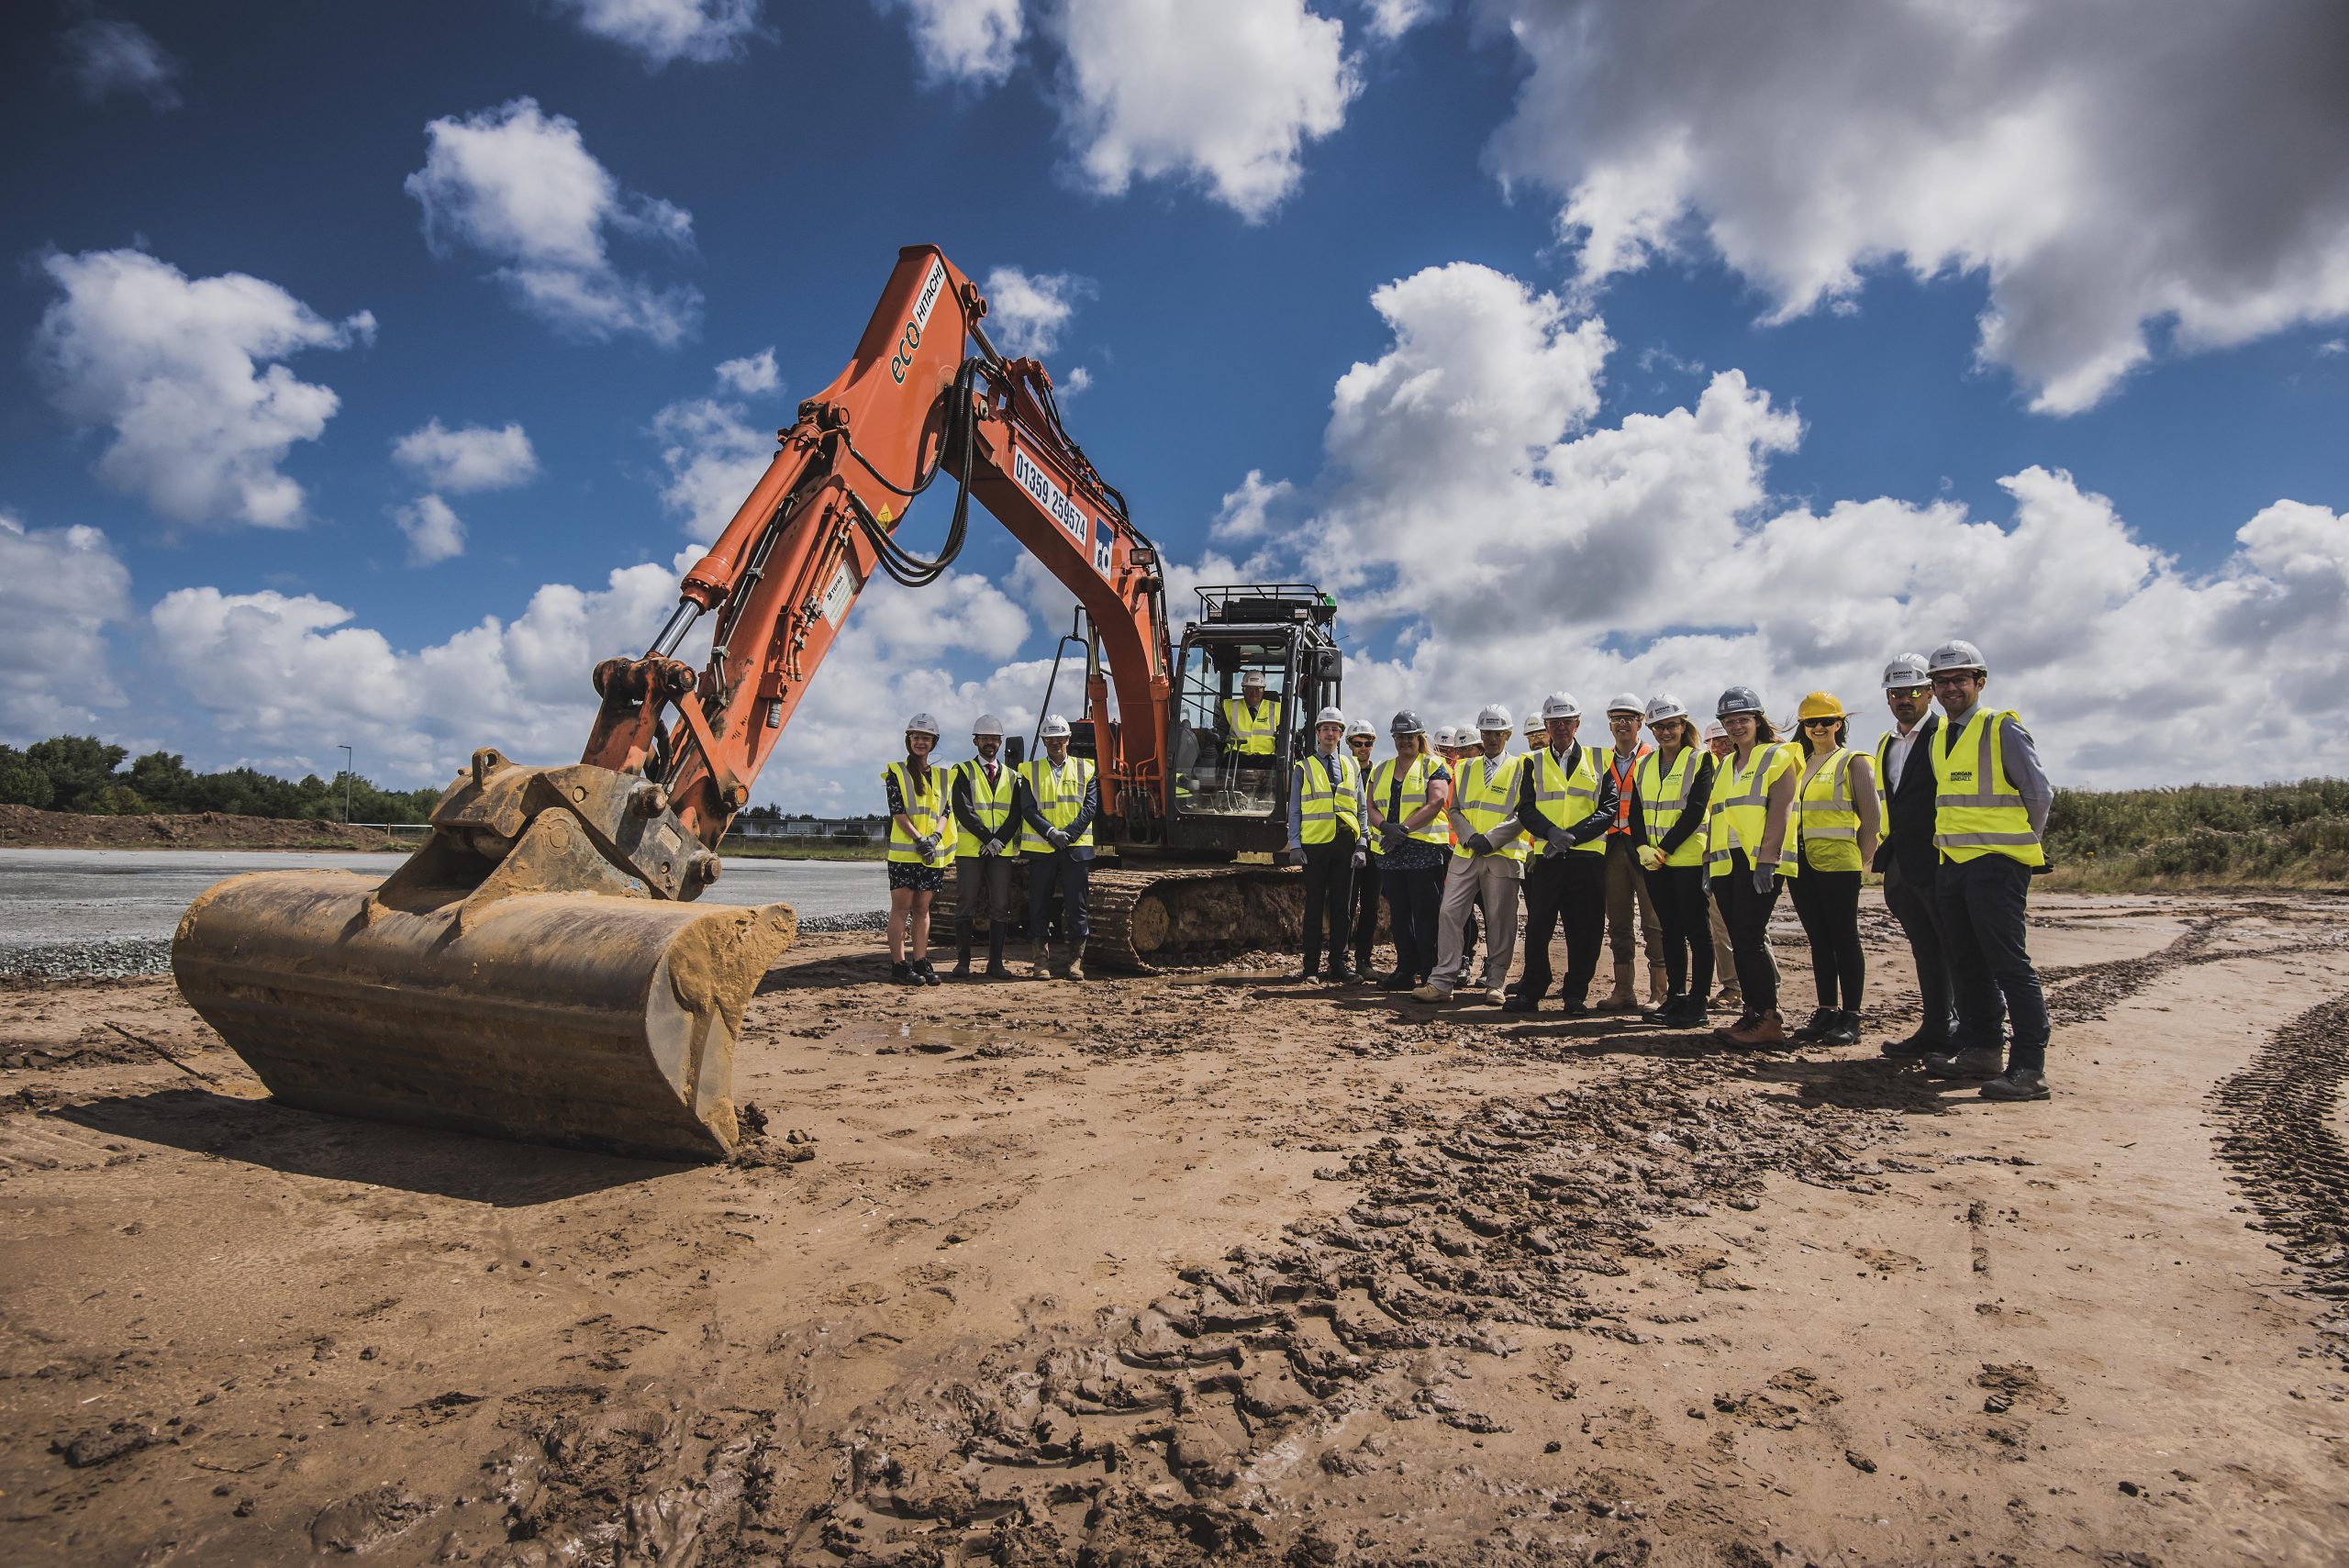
(1820, 723)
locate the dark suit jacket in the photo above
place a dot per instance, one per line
(1909, 811)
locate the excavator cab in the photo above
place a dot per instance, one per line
(1230, 762)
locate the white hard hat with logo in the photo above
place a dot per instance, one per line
(922, 724)
(1328, 715)
(1495, 717)
(1561, 705)
(1626, 702)
(1664, 706)
(1905, 670)
(1955, 655)
(1447, 738)
(1533, 722)
(986, 726)
(1362, 726)
(1055, 728)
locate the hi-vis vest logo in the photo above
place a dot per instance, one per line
(911, 338)
(1048, 495)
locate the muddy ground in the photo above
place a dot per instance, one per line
(1212, 1267)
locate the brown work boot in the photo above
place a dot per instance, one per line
(1625, 996)
(1076, 964)
(1039, 961)
(1659, 988)
(1766, 1029)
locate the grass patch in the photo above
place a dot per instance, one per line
(2206, 836)
(754, 851)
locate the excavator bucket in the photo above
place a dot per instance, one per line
(521, 975)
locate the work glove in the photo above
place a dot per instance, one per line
(927, 845)
(1362, 859)
(988, 848)
(1392, 834)
(1560, 839)
(1650, 858)
(1294, 855)
(1059, 837)
(1762, 878)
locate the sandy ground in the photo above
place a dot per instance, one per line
(1164, 1270)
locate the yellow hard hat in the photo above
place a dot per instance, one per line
(1822, 705)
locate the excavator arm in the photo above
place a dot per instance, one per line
(914, 406)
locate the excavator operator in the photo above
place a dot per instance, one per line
(1250, 734)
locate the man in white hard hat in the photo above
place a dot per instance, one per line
(984, 790)
(1731, 995)
(1566, 805)
(1361, 740)
(1487, 867)
(1326, 813)
(1627, 890)
(1904, 770)
(1058, 799)
(1991, 799)
(1455, 745)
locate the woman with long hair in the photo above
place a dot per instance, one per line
(1754, 797)
(1836, 821)
(921, 846)
(1672, 792)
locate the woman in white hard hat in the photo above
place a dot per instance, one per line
(1671, 793)
(1836, 820)
(1746, 843)
(1411, 842)
(1361, 739)
(921, 846)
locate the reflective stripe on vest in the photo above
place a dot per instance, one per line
(991, 807)
(1567, 798)
(1609, 760)
(1486, 797)
(1059, 799)
(1742, 806)
(1975, 810)
(927, 810)
(1414, 797)
(1663, 797)
(1883, 785)
(1826, 827)
(1250, 733)
(1320, 806)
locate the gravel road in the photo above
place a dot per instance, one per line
(111, 912)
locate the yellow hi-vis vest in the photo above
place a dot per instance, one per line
(1251, 732)
(1883, 785)
(1414, 797)
(1060, 797)
(1742, 806)
(1567, 798)
(1975, 810)
(1322, 807)
(991, 807)
(1827, 820)
(1662, 796)
(927, 809)
(1485, 792)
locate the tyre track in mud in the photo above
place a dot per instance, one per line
(2280, 1120)
(1211, 1422)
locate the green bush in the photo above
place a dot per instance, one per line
(79, 773)
(2202, 835)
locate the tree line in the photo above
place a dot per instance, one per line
(83, 773)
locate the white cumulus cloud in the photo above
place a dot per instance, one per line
(434, 531)
(470, 458)
(1224, 93)
(180, 371)
(2115, 173)
(714, 456)
(109, 56)
(60, 589)
(703, 31)
(752, 374)
(1028, 311)
(962, 41)
(519, 186)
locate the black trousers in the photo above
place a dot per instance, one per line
(1919, 915)
(1328, 889)
(1569, 890)
(1829, 905)
(1678, 895)
(974, 873)
(1365, 907)
(1981, 902)
(1747, 914)
(1060, 872)
(1412, 899)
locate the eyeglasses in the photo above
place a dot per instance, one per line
(1952, 683)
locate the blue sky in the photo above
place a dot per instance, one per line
(1686, 337)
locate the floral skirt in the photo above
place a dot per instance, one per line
(915, 875)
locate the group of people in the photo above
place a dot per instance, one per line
(1686, 841)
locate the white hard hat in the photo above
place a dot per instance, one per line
(922, 724)
(1055, 728)
(1251, 677)
(1328, 715)
(987, 725)
(1561, 705)
(1362, 726)
(1447, 738)
(1953, 656)
(1663, 706)
(1716, 730)
(1626, 702)
(1533, 722)
(1495, 717)
(1905, 670)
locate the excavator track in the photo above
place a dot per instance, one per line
(1148, 918)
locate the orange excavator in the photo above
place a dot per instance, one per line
(540, 970)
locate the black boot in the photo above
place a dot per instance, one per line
(1845, 1030)
(1664, 1013)
(962, 970)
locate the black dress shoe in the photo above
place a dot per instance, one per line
(1916, 1048)
(1341, 976)
(1665, 1011)
(1397, 981)
(1575, 1007)
(1822, 1021)
(1518, 1002)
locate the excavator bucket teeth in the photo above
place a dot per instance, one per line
(579, 1019)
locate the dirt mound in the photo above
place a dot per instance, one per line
(22, 827)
